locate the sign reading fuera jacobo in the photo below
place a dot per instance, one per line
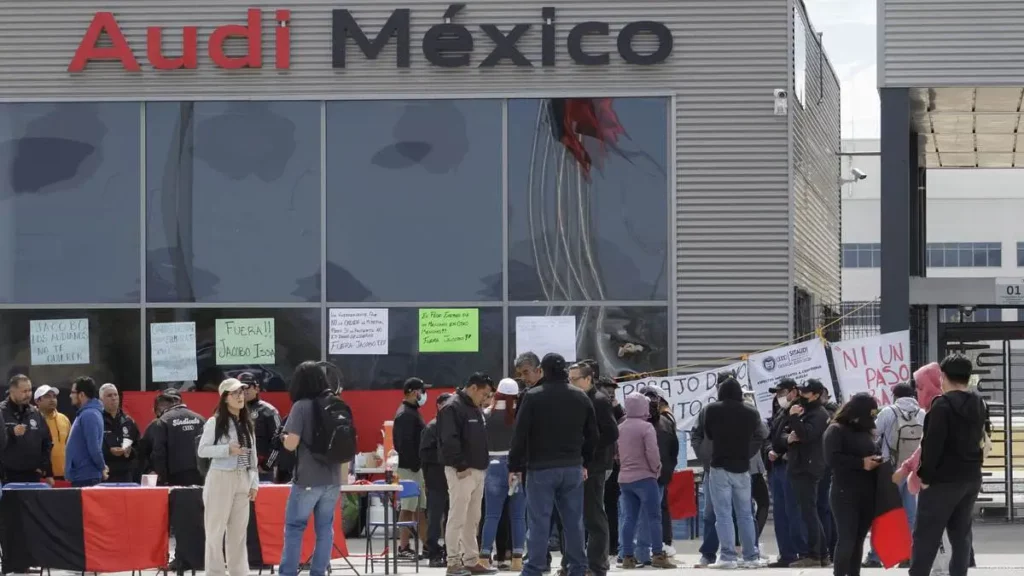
(448, 44)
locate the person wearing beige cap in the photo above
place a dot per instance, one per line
(59, 425)
(231, 482)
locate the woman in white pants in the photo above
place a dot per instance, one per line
(231, 482)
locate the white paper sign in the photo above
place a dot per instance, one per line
(799, 361)
(873, 365)
(1010, 291)
(172, 351)
(687, 395)
(358, 331)
(64, 341)
(547, 334)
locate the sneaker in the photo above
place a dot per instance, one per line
(480, 568)
(484, 561)
(669, 550)
(629, 563)
(618, 561)
(724, 565)
(871, 564)
(753, 564)
(517, 564)
(503, 566)
(438, 563)
(406, 553)
(456, 570)
(704, 562)
(807, 562)
(662, 562)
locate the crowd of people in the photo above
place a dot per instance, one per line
(548, 460)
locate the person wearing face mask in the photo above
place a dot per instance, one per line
(407, 431)
(807, 421)
(790, 531)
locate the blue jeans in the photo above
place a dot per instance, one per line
(709, 545)
(495, 493)
(643, 505)
(322, 503)
(560, 488)
(642, 550)
(910, 506)
(730, 494)
(790, 532)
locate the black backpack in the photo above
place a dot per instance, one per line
(334, 432)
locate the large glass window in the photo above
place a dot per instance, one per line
(69, 203)
(965, 255)
(634, 338)
(862, 255)
(588, 199)
(295, 338)
(56, 346)
(404, 359)
(414, 201)
(233, 201)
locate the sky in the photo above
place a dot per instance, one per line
(849, 31)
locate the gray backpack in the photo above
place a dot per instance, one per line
(904, 436)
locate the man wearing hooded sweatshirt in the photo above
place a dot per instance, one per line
(84, 465)
(950, 470)
(807, 422)
(736, 433)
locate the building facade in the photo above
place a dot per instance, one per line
(664, 172)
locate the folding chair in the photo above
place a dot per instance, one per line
(410, 489)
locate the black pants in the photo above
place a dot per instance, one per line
(437, 508)
(759, 492)
(21, 476)
(120, 476)
(186, 478)
(611, 510)
(949, 508)
(595, 524)
(853, 509)
(666, 517)
(805, 487)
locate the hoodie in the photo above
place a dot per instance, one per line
(951, 450)
(928, 380)
(734, 428)
(639, 458)
(84, 454)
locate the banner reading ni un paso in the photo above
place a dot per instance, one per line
(874, 365)
(799, 361)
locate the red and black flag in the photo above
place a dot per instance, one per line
(572, 119)
(890, 529)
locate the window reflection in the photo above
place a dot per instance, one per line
(414, 201)
(634, 338)
(69, 203)
(233, 201)
(440, 369)
(588, 199)
(296, 339)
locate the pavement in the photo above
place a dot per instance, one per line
(999, 550)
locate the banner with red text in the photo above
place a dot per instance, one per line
(799, 361)
(874, 365)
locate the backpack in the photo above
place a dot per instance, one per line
(334, 433)
(905, 435)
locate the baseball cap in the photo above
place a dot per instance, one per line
(230, 385)
(813, 386)
(508, 387)
(248, 379)
(653, 392)
(44, 390)
(784, 384)
(414, 384)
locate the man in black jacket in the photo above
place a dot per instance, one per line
(463, 441)
(437, 488)
(595, 521)
(407, 432)
(668, 446)
(554, 442)
(266, 421)
(26, 455)
(120, 437)
(807, 421)
(790, 532)
(950, 470)
(172, 438)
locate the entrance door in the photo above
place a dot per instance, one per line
(997, 350)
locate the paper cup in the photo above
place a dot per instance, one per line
(126, 443)
(149, 480)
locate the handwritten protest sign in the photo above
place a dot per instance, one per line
(687, 395)
(356, 331)
(799, 361)
(59, 342)
(873, 365)
(546, 334)
(172, 351)
(245, 341)
(449, 330)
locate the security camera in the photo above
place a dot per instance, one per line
(858, 174)
(780, 93)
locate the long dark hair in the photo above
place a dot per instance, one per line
(858, 412)
(309, 381)
(224, 418)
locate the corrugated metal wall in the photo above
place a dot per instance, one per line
(936, 43)
(816, 174)
(732, 174)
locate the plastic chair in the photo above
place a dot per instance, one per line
(27, 486)
(410, 489)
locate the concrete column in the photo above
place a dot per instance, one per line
(898, 183)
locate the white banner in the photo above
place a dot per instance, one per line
(59, 342)
(687, 395)
(172, 353)
(799, 361)
(873, 365)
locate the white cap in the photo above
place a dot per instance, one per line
(44, 390)
(230, 385)
(508, 387)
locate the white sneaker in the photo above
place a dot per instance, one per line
(724, 565)
(669, 550)
(704, 563)
(753, 564)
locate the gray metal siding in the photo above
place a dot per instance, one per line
(816, 174)
(731, 199)
(936, 43)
